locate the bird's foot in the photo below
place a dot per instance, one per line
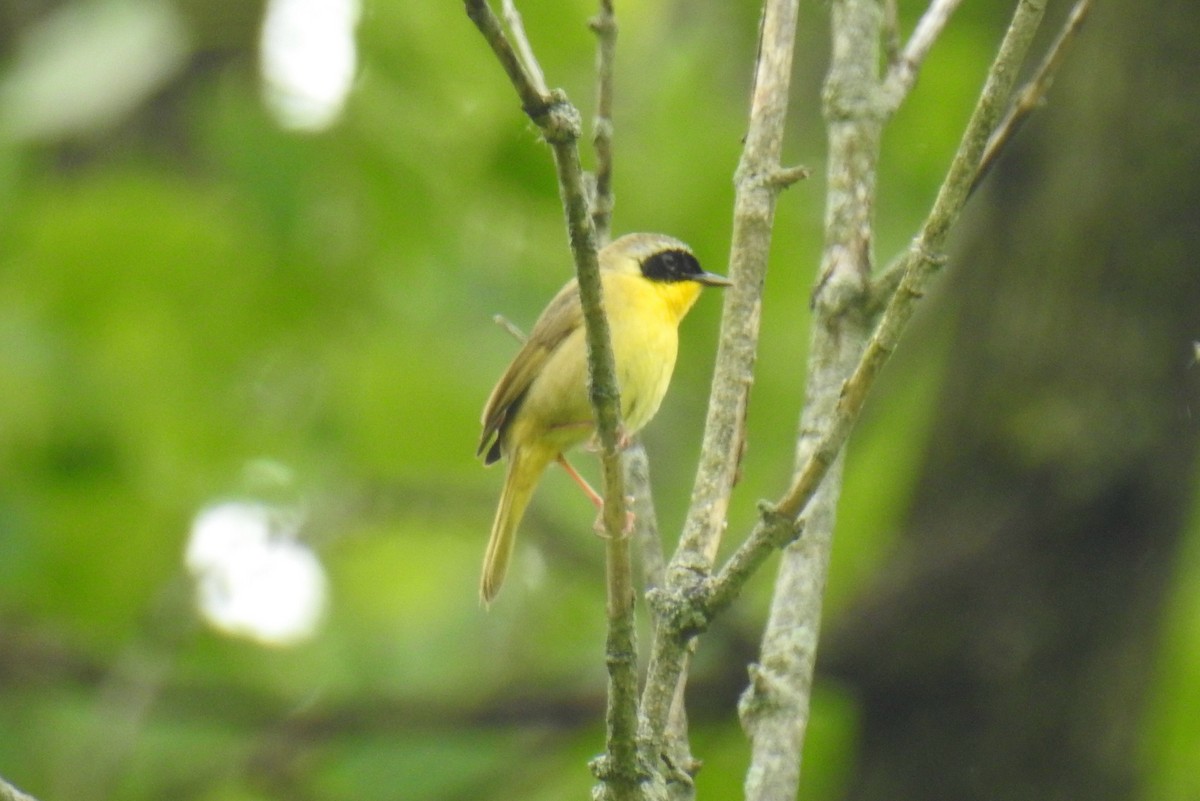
(626, 530)
(624, 440)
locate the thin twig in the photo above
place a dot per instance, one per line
(902, 74)
(1033, 94)
(535, 100)
(604, 24)
(508, 325)
(1030, 99)
(516, 31)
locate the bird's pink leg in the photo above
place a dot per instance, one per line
(595, 498)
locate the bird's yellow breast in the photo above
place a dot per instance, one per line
(644, 321)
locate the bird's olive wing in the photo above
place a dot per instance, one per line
(563, 316)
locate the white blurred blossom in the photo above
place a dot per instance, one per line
(253, 577)
(308, 58)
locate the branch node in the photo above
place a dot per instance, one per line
(773, 179)
(602, 127)
(935, 260)
(767, 690)
(558, 120)
(683, 607)
(784, 528)
(603, 24)
(783, 177)
(684, 773)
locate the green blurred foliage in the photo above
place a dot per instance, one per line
(185, 288)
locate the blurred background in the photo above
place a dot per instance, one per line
(249, 259)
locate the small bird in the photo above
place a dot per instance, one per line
(539, 408)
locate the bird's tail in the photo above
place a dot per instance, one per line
(524, 470)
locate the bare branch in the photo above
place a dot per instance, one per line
(774, 709)
(637, 484)
(516, 28)
(754, 206)
(508, 325)
(1033, 94)
(903, 72)
(535, 100)
(619, 770)
(604, 24)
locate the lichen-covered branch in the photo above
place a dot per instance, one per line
(758, 180)
(774, 708)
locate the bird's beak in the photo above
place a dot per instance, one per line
(711, 279)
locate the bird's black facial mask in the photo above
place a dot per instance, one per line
(672, 265)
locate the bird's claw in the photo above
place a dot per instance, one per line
(602, 532)
(624, 440)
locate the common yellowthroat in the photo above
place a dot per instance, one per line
(539, 408)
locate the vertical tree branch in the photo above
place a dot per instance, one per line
(774, 708)
(758, 180)
(619, 771)
(604, 24)
(637, 484)
(561, 127)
